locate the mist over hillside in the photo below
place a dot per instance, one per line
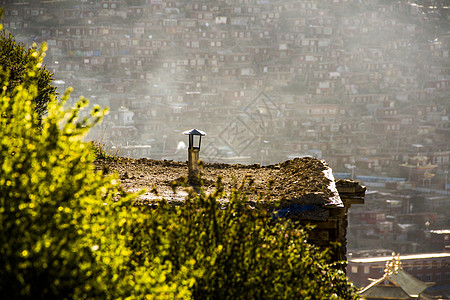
(354, 82)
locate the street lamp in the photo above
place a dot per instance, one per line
(195, 139)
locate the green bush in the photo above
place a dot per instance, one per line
(68, 232)
(236, 251)
(48, 193)
(61, 232)
(17, 62)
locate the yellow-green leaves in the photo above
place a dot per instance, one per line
(23, 68)
(57, 238)
(233, 251)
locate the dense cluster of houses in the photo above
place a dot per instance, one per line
(358, 83)
(404, 221)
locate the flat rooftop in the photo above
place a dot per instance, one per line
(304, 181)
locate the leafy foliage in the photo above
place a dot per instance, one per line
(67, 231)
(47, 193)
(18, 61)
(61, 232)
(236, 251)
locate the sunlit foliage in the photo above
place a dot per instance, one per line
(236, 251)
(18, 62)
(60, 230)
(49, 194)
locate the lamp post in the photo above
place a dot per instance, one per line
(195, 139)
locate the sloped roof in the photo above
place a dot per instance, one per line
(411, 285)
(402, 285)
(194, 132)
(386, 292)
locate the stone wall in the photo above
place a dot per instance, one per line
(334, 229)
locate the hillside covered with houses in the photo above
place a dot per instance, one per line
(364, 85)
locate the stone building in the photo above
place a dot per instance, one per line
(302, 189)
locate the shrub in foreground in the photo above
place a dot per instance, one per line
(60, 229)
(18, 62)
(236, 251)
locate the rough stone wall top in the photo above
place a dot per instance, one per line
(301, 181)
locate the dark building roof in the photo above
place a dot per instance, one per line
(401, 285)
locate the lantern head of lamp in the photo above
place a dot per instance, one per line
(195, 138)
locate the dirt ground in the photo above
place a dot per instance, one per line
(300, 179)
